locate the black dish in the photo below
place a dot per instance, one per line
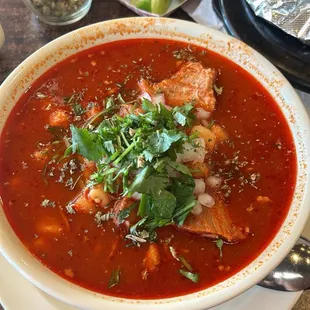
(287, 53)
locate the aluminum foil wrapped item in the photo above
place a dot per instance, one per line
(292, 16)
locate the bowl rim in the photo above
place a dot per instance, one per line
(77, 296)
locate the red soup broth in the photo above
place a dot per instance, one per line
(261, 146)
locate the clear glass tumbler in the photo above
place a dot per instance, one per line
(59, 12)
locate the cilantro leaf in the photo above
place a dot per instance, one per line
(125, 213)
(58, 132)
(180, 167)
(144, 202)
(139, 179)
(180, 118)
(182, 211)
(109, 146)
(160, 141)
(183, 188)
(109, 103)
(190, 275)
(183, 115)
(153, 183)
(166, 117)
(219, 244)
(148, 156)
(148, 106)
(86, 144)
(164, 204)
(149, 182)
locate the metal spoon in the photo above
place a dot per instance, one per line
(293, 274)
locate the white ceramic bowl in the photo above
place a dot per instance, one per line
(259, 67)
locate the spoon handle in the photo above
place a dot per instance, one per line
(293, 274)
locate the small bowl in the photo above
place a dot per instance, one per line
(241, 54)
(59, 12)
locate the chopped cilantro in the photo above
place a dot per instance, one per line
(86, 143)
(219, 244)
(125, 213)
(190, 275)
(134, 153)
(78, 109)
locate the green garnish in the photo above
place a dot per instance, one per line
(115, 278)
(219, 244)
(190, 275)
(78, 109)
(185, 263)
(125, 213)
(57, 132)
(139, 150)
(86, 143)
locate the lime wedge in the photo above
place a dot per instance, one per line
(160, 6)
(142, 4)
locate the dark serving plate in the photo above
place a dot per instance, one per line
(287, 53)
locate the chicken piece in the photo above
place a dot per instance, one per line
(59, 118)
(50, 226)
(151, 260)
(214, 222)
(263, 199)
(192, 83)
(69, 272)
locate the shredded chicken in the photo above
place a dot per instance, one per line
(59, 118)
(192, 83)
(214, 222)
